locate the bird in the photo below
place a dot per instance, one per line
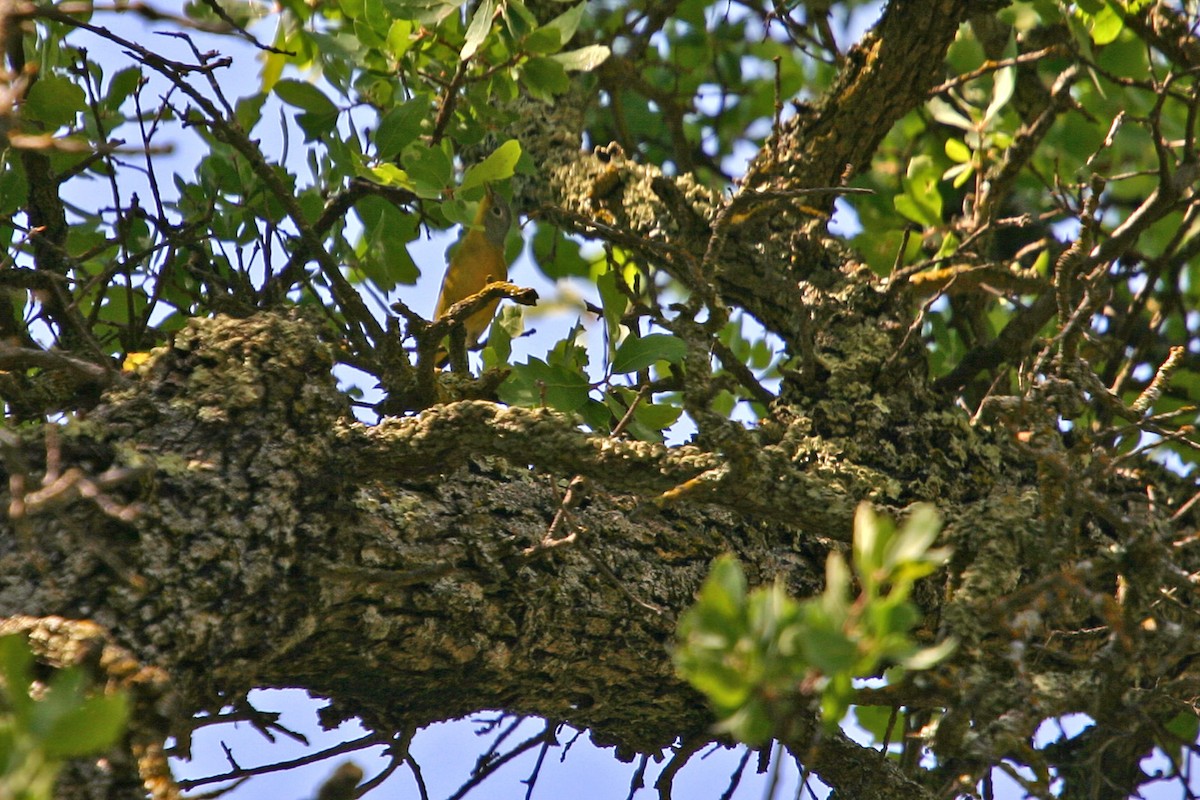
(477, 260)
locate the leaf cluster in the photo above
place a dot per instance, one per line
(45, 723)
(762, 657)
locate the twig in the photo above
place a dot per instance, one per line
(16, 358)
(638, 779)
(679, 759)
(577, 489)
(486, 770)
(994, 66)
(371, 740)
(736, 778)
(1162, 377)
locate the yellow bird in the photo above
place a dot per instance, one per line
(477, 261)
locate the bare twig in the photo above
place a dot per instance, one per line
(370, 740)
(486, 770)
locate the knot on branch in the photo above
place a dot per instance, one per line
(429, 336)
(224, 368)
(430, 333)
(607, 195)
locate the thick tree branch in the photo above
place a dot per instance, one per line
(274, 533)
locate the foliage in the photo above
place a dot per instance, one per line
(760, 656)
(410, 88)
(45, 723)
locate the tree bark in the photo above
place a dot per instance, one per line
(232, 527)
(401, 569)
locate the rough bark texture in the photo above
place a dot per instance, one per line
(280, 544)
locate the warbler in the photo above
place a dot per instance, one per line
(477, 261)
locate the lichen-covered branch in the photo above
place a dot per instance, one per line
(394, 568)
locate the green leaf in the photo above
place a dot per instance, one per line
(598, 415)
(389, 175)
(90, 727)
(248, 110)
(761, 354)
(724, 590)
(585, 59)
(890, 615)
(383, 253)
(835, 700)
(959, 174)
(931, 656)
(377, 19)
(16, 664)
(305, 96)
(121, 86)
(274, 62)
(1106, 25)
(921, 201)
(870, 538)
(657, 416)
(957, 150)
(400, 127)
(557, 255)
(875, 719)
(54, 101)
(648, 420)
(1003, 84)
(13, 189)
(545, 76)
(64, 694)
(723, 404)
(507, 326)
(477, 31)
(400, 38)
(496, 167)
(835, 600)
(726, 687)
(430, 168)
(520, 20)
(751, 724)
(124, 310)
(613, 302)
(368, 37)
(537, 384)
(946, 114)
(826, 646)
(915, 537)
(639, 353)
(567, 22)
(426, 12)
(1184, 727)
(543, 41)
(568, 352)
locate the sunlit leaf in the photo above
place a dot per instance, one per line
(498, 166)
(481, 24)
(585, 59)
